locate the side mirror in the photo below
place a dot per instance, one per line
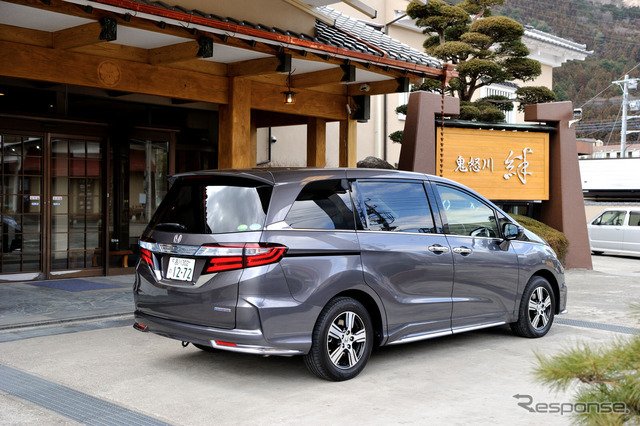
(511, 231)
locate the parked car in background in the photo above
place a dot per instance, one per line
(331, 263)
(615, 231)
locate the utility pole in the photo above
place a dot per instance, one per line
(626, 84)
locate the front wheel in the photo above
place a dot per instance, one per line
(342, 340)
(537, 309)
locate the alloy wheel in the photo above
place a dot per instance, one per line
(346, 340)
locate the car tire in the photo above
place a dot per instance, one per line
(537, 309)
(342, 340)
(597, 252)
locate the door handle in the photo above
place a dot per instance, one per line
(464, 251)
(437, 248)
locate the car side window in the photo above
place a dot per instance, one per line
(466, 215)
(634, 218)
(322, 205)
(611, 218)
(395, 206)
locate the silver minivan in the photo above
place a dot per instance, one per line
(332, 263)
(615, 231)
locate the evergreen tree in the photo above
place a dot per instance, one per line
(606, 375)
(485, 49)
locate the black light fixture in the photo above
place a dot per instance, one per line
(289, 95)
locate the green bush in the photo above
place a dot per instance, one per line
(556, 239)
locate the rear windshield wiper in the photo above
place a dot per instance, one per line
(171, 226)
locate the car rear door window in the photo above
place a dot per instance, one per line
(466, 215)
(395, 206)
(322, 205)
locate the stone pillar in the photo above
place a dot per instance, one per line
(564, 210)
(418, 151)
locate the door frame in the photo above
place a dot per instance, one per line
(114, 164)
(48, 208)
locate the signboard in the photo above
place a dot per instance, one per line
(500, 165)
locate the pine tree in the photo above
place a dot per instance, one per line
(606, 375)
(486, 50)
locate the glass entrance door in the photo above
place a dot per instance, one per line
(76, 239)
(21, 191)
(135, 193)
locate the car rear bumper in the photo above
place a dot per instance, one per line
(234, 340)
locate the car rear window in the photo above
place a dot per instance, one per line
(213, 206)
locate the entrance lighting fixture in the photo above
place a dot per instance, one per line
(289, 95)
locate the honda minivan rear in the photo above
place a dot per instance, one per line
(197, 245)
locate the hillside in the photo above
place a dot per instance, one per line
(612, 31)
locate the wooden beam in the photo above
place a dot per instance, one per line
(174, 53)
(116, 51)
(234, 135)
(25, 36)
(316, 142)
(66, 67)
(82, 35)
(207, 67)
(309, 103)
(341, 74)
(348, 144)
(66, 8)
(182, 52)
(398, 85)
(276, 64)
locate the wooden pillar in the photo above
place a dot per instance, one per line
(254, 144)
(235, 146)
(565, 209)
(316, 142)
(348, 144)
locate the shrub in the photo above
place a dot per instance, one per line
(556, 239)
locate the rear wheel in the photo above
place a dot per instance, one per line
(537, 309)
(342, 340)
(597, 252)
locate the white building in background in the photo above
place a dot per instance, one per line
(290, 147)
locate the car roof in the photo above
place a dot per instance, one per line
(305, 174)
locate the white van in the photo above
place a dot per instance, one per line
(615, 231)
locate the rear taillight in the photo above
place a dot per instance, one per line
(146, 256)
(225, 257)
(262, 254)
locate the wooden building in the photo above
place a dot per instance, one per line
(101, 100)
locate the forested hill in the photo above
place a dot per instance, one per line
(612, 31)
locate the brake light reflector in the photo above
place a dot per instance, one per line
(220, 343)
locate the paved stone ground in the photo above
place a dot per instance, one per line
(458, 380)
(24, 304)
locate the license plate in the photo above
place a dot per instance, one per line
(180, 269)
